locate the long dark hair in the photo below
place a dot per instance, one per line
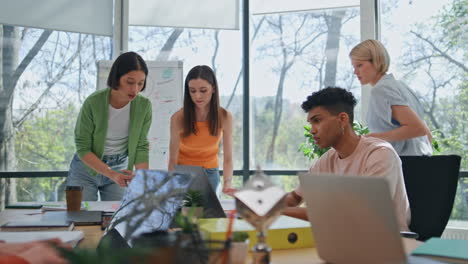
(214, 120)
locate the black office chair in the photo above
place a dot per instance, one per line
(431, 185)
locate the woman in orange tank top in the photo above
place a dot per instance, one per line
(197, 129)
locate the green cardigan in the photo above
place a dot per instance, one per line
(91, 127)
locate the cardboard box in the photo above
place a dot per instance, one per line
(286, 232)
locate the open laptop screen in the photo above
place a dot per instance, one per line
(351, 215)
(150, 202)
(212, 206)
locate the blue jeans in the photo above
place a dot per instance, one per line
(213, 177)
(78, 175)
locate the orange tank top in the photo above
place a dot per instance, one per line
(200, 149)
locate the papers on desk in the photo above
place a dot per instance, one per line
(105, 206)
(228, 204)
(79, 218)
(70, 237)
(450, 250)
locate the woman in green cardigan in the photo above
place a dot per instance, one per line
(111, 132)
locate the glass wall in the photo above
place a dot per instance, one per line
(428, 50)
(292, 55)
(46, 75)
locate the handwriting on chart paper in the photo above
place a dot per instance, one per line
(164, 88)
(165, 93)
(159, 151)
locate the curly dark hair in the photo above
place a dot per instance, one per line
(333, 99)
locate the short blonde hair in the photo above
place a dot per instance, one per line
(372, 50)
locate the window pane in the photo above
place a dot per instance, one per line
(40, 189)
(46, 77)
(287, 182)
(219, 49)
(294, 54)
(428, 50)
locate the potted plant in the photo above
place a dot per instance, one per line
(310, 150)
(191, 248)
(185, 222)
(106, 254)
(193, 204)
(239, 247)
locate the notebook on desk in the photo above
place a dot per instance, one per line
(353, 220)
(39, 225)
(450, 250)
(80, 218)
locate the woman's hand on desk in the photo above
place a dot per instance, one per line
(227, 189)
(122, 178)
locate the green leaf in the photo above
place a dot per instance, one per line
(310, 150)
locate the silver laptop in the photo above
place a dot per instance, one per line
(212, 207)
(140, 213)
(353, 220)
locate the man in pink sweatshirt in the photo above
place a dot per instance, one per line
(330, 114)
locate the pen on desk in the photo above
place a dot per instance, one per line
(35, 213)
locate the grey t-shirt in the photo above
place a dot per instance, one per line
(387, 92)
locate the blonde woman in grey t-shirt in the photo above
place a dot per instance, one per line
(394, 113)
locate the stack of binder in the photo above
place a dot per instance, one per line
(286, 232)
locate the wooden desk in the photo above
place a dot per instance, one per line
(310, 256)
(93, 234)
